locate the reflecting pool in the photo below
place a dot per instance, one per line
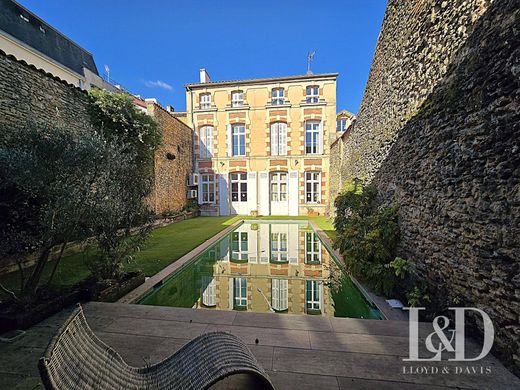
(266, 267)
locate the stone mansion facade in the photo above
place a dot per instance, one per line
(262, 146)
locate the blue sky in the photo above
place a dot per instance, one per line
(154, 47)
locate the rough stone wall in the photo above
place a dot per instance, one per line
(173, 162)
(31, 96)
(438, 132)
(336, 179)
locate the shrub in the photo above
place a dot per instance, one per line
(367, 237)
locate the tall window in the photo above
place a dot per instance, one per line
(341, 124)
(205, 100)
(312, 137)
(239, 247)
(278, 139)
(238, 133)
(312, 187)
(313, 296)
(279, 247)
(237, 98)
(238, 187)
(312, 94)
(209, 293)
(277, 96)
(312, 248)
(206, 142)
(279, 296)
(240, 293)
(279, 187)
(208, 188)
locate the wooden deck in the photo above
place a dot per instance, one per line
(299, 352)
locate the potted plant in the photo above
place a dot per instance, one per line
(311, 212)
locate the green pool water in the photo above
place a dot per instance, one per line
(265, 267)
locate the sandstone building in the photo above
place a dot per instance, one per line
(261, 146)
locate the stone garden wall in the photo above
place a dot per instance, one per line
(439, 132)
(31, 96)
(173, 162)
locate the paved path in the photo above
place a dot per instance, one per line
(299, 352)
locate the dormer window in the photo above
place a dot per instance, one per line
(205, 101)
(237, 99)
(277, 96)
(312, 94)
(341, 124)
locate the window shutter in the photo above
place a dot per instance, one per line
(274, 139)
(283, 294)
(199, 192)
(209, 141)
(283, 139)
(275, 290)
(230, 140)
(320, 139)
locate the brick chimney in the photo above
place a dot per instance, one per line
(204, 76)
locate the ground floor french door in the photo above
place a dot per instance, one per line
(238, 193)
(278, 194)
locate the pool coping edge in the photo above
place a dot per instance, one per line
(166, 272)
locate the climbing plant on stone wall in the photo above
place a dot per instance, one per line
(367, 237)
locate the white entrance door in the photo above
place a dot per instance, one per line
(279, 199)
(238, 193)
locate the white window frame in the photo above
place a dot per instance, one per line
(315, 187)
(237, 98)
(238, 178)
(341, 124)
(313, 128)
(239, 300)
(277, 96)
(312, 94)
(312, 248)
(238, 137)
(209, 294)
(278, 134)
(315, 287)
(277, 179)
(278, 242)
(205, 101)
(207, 183)
(241, 252)
(206, 142)
(279, 294)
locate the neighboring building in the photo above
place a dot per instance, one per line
(262, 145)
(27, 37)
(173, 158)
(344, 121)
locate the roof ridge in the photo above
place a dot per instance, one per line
(262, 79)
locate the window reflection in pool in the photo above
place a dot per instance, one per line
(265, 267)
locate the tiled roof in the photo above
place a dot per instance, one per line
(28, 28)
(261, 80)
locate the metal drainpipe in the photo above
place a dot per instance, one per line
(193, 160)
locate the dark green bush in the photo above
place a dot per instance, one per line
(367, 237)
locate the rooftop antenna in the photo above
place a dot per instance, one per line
(310, 58)
(107, 70)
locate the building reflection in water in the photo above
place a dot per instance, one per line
(266, 267)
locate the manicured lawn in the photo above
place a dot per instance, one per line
(165, 246)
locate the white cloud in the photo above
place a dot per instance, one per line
(158, 84)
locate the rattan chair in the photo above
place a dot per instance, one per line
(77, 359)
